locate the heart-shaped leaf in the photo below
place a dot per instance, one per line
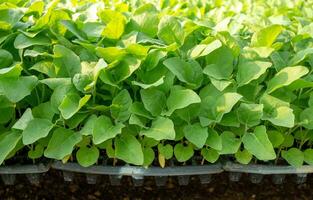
(258, 144)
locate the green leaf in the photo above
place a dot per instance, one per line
(220, 84)
(288, 141)
(71, 104)
(162, 129)
(230, 119)
(128, 149)
(148, 155)
(59, 94)
(139, 109)
(301, 135)
(251, 70)
(62, 143)
(276, 138)
(243, 157)
(266, 36)
(36, 129)
(277, 111)
(89, 125)
(196, 134)
(166, 150)
(214, 140)
(71, 26)
(13, 71)
(210, 155)
(36, 53)
(224, 104)
(66, 61)
(170, 30)
(308, 156)
(45, 67)
(188, 72)
(149, 85)
(299, 84)
(285, 77)
(85, 142)
(153, 58)
(180, 98)
(306, 118)
(22, 41)
(87, 156)
(149, 142)
(137, 120)
(111, 54)
(17, 148)
(250, 114)
(22, 122)
(258, 144)
(300, 56)
(293, 156)
(230, 144)
(183, 153)
(6, 58)
(10, 17)
(196, 73)
(219, 68)
(8, 141)
(108, 146)
(37, 152)
(82, 82)
(188, 113)
(147, 23)
(104, 130)
(95, 73)
(121, 104)
(53, 83)
(76, 121)
(262, 52)
(204, 49)
(7, 110)
(16, 89)
(43, 111)
(153, 100)
(310, 102)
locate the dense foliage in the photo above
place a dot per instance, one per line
(140, 82)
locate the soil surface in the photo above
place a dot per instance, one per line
(53, 187)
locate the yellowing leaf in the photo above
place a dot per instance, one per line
(285, 77)
(115, 28)
(266, 36)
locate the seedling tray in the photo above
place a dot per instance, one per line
(32, 172)
(257, 172)
(138, 173)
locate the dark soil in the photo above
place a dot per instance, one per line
(52, 186)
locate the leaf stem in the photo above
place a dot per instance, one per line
(43, 93)
(94, 94)
(37, 96)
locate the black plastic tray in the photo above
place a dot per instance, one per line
(32, 172)
(258, 171)
(138, 173)
(204, 172)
